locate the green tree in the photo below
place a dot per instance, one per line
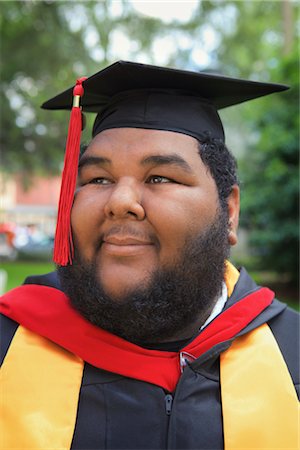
(261, 41)
(270, 177)
(45, 46)
(31, 48)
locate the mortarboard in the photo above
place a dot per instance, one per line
(127, 94)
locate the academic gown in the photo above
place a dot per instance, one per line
(119, 412)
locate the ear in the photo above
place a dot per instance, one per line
(233, 205)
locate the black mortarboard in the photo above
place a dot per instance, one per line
(134, 95)
(128, 94)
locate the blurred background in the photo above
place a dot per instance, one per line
(46, 45)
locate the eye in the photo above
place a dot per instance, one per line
(100, 180)
(157, 179)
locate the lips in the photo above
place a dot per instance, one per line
(121, 245)
(124, 241)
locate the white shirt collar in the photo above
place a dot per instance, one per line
(218, 306)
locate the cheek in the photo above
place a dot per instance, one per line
(85, 219)
(183, 216)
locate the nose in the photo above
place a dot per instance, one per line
(125, 201)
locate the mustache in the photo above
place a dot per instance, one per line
(129, 230)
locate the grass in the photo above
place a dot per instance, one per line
(17, 271)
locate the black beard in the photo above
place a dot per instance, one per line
(173, 299)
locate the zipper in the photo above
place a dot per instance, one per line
(168, 404)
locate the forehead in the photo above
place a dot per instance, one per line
(138, 142)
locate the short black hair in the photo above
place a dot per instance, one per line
(221, 164)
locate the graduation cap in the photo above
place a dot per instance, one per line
(127, 94)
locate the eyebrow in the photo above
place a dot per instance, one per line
(157, 160)
(164, 160)
(86, 160)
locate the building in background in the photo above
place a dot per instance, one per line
(36, 205)
(27, 218)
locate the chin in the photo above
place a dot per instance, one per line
(121, 287)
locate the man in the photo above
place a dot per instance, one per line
(146, 337)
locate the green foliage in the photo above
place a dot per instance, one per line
(270, 177)
(262, 42)
(29, 143)
(45, 46)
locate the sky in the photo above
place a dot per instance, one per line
(122, 47)
(167, 11)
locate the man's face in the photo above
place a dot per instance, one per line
(142, 194)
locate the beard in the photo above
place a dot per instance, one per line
(173, 298)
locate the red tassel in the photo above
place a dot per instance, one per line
(63, 243)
